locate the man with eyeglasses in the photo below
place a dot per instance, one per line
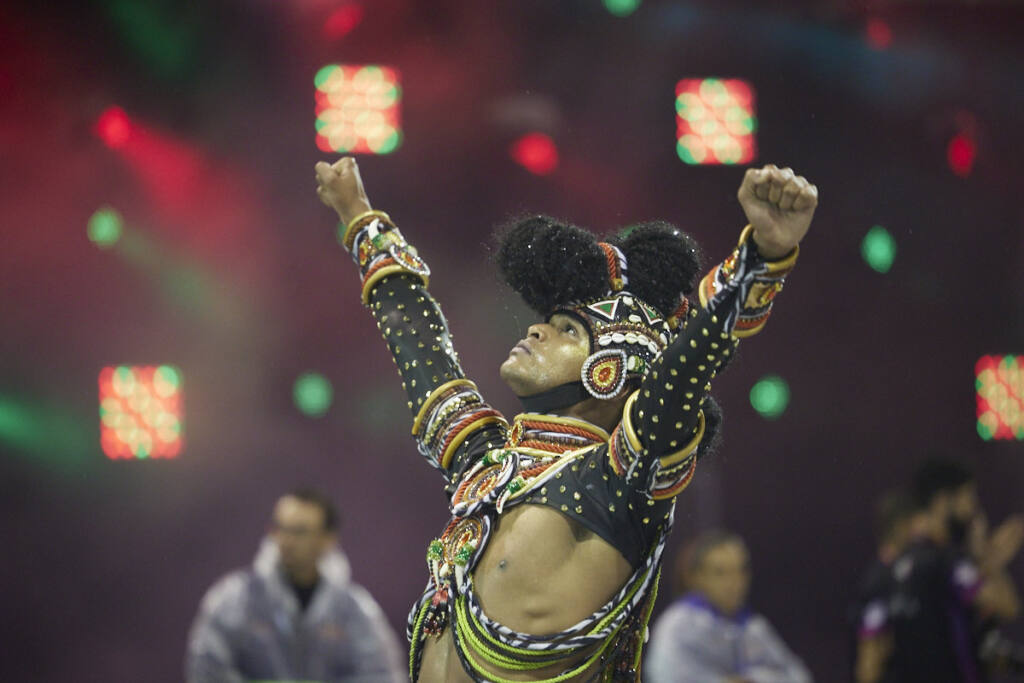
(294, 615)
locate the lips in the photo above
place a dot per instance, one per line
(523, 347)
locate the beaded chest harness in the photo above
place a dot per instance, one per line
(536, 448)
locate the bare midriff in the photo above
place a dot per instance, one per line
(540, 574)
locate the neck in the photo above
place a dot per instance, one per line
(552, 401)
(888, 552)
(303, 578)
(606, 414)
(938, 530)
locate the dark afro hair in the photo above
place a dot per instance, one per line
(938, 475)
(662, 263)
(551, 264)
(712, 429)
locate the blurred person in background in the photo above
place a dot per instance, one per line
(948, 588)
(710, 635)
(294, 615)
(898, 519)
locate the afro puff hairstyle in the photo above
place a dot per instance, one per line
(551, 264)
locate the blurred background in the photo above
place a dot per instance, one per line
(159, 228)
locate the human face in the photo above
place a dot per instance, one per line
(724, 577)
(298, 530)
(964, 503)
(962, 508)
(551, 355)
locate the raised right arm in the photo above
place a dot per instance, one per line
(452, 424)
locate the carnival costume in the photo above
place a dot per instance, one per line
(622, 486)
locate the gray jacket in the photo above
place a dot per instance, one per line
(250, 627)
(692, 643)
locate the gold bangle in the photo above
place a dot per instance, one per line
(778, 267)
(627, 424)
(350, 229)
(387, 271)
(432, 398)
(680, 455)
(449, 453)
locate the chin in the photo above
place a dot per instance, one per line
(516, 378)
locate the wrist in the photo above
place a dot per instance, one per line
(347, 213)
(770, 251)
(347, 230)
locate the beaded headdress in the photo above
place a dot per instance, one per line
(560, 268)
(626, 333)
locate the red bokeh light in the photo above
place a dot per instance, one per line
(141, 412)
(960, 153)
(878, 34)
(715, 121)
(999, 381)
(536, 153)
(358, 108)
(343, 21)
(113, 127)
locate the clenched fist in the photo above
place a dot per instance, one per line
(780, 205)
(340, 187)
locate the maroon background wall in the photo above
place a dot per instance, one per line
(243, 287)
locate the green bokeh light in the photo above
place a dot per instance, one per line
(984, 431)
(323, 74)
(49, 435)
(878, 249)
(770, 396)
(621, 8)
(313, 394)
(390, 143)
(105, 228)
(687, 153)
(166, 380)
(164, 35)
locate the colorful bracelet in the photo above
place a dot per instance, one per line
(357, 223)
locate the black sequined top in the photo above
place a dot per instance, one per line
(623, 489)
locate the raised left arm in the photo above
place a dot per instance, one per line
(663, 420)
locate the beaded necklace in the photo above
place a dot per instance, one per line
(537, 448)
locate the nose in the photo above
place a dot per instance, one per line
(538, 331)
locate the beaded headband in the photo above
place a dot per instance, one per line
(626, 335)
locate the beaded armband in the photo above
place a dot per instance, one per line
(674, 472)
(380, 250)
(755, 281)
(670, 474)
(449, 415)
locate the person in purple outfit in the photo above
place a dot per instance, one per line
(710, 634)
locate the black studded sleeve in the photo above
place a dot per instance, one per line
(452, 424)
(663, 423)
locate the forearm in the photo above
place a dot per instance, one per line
(998, 596)
(206, 669)
(771, 660)
(445, 405)
(209, 657)
(394, 287)
(737, 298)
(664, 666)
(872, 654)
